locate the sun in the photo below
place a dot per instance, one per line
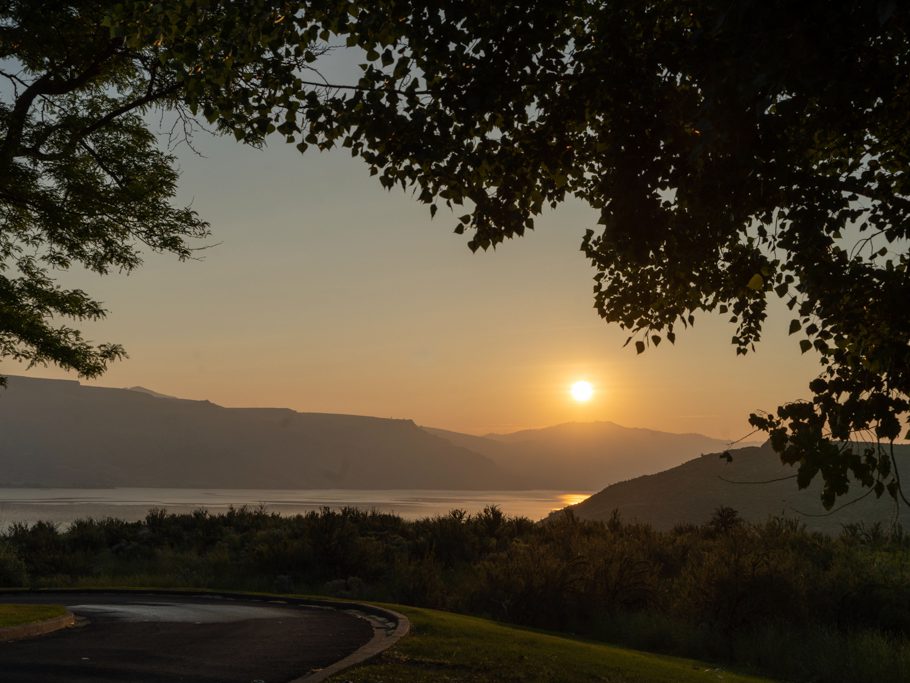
(582, 391)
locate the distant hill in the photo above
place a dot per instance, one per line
(585, 455)
(56, 433)
(149, 392)
(692, 491)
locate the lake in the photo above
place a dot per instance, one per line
(65, 505)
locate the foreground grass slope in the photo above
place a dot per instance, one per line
(17, 615)
(446, 647)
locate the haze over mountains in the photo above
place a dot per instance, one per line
(581, 454)
(62, 434)
(57, 433)
(689, 494)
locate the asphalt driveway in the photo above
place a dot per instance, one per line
(144, 638)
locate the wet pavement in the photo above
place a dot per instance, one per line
(145, 638)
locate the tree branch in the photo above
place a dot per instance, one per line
(35, 152)
(101, 164)
(46, 84)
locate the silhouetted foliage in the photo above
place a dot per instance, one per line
(717, 590)
(724, 520)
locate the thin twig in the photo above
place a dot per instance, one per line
(831, 512)
(766, 481)
(743, 438)
(897, 477)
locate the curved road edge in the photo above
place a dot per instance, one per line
(38, 628)
(388, 626)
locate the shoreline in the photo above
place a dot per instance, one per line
(64, 506)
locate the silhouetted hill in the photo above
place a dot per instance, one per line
(150, 392)
(689, 494)
(57, 433)
(585, 455)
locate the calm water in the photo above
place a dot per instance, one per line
(65, 505)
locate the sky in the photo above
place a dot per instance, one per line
(324, 292)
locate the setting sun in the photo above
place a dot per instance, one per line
(582, 391)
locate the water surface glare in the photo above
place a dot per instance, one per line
(63, 506)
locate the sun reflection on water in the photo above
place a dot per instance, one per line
(572, 499)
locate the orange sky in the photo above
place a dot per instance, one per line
(327, 293)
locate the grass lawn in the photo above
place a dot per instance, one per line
(16, 615)
(451, 647)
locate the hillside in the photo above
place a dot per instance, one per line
(689, 494)
(61, 434)
(585, 455)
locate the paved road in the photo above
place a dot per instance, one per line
(164, 639)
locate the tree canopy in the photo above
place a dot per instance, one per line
(735, 151)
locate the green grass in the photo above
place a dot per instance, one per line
(445, 647)
(17, 615)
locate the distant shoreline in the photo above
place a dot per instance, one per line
(63, 505)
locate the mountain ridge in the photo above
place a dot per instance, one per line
(571, 423)
(578, 455)
(70, 434)
(61, 433)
